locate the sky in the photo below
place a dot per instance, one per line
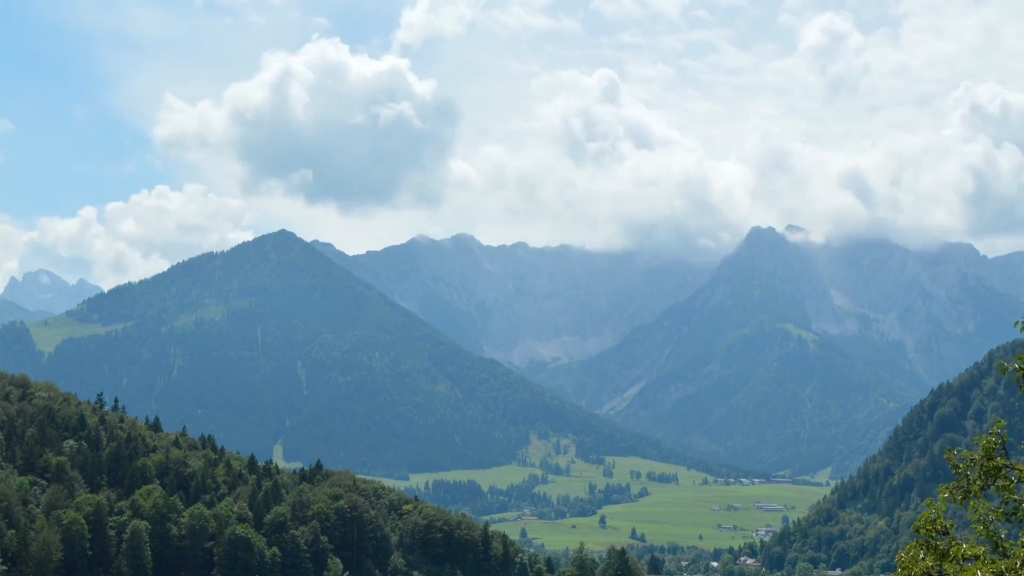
(137, 133)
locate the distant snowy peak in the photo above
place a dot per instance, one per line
(42, 290)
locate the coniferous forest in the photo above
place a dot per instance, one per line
(85, 489)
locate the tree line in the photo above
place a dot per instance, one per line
(85, 490)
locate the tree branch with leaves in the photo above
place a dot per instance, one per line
(987, 484)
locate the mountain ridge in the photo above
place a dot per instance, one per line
(770, 307)
(44, 291)
(519, 304)
(257, 343)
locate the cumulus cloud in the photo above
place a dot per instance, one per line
(128, 240)
(428, 19)
(322, 122)
(665, 124)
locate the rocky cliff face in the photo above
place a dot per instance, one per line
(521, 305)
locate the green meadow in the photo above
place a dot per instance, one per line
(51, 331)
(672, 513)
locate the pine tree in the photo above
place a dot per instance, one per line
(582, 563)
(655, 564)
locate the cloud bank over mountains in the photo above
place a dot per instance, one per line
(656, 124)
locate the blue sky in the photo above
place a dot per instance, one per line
(134, 134)
(69, 146)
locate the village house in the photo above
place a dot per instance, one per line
(748, 562)
(764, 533)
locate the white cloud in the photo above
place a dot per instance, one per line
(124, 241)
(5, 125)
(663, 123)
(322, 122)
(428, 19)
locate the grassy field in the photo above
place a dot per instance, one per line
(672, 513)
(51, 331)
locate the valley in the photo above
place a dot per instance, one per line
(697, 510)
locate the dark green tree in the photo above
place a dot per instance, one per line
(486, 549)
(243, 553)
(294, 556)
(74, 540)
(523, 535)
(135, 558)
(197, 532)
(101, 545)
(46, 552)
(582, 562)
(603, 521)
(618, 562)
(655, 564)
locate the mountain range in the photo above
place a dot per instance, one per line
(272, 343)
(797, 356)
(755, 361)
(42, 293)
(786, 356)
(521, 305)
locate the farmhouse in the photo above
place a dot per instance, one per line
(764, 533)
(749, 562)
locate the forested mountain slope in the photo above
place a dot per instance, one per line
(867, 519)
(11, 312)
(87, 490)
(525, 305)
(761, 365)
(758, 366)
(273, 342)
